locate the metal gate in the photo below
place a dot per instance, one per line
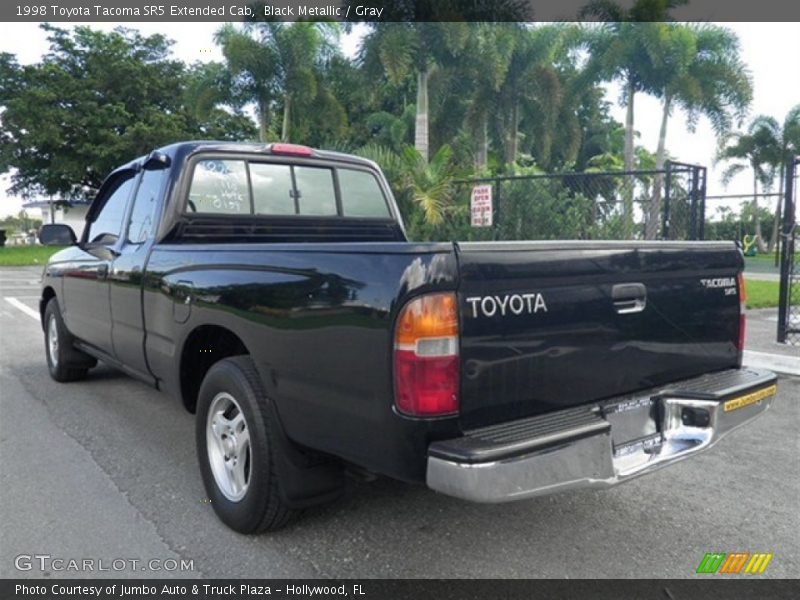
(684, 215)
(789, 291)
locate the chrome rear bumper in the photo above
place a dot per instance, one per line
(575, 448)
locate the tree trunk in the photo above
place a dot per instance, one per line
(482, 151)
(421, 128)
(512, 141)
(756, 221)
(627, 193)
(776, 226)
(287, 108)
(654, 212)
(263, 121)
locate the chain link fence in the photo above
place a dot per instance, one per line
(602, 205)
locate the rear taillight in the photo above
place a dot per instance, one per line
(742, 318)
(426, 364)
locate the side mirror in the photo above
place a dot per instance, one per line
(157, 160)
(57, 234)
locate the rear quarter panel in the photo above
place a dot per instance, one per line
(318, 321)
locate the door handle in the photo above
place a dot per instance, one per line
(629, 298)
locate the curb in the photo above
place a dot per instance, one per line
(780, 363)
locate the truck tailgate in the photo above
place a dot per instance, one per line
(549, 325)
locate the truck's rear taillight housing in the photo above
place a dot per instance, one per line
(426, 367)
(742, 318)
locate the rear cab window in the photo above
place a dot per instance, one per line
(250, 187)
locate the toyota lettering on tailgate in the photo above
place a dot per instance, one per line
(516, 304)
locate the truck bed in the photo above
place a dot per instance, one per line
(319, 318)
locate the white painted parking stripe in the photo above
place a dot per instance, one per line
(26, 309)
(775, 362)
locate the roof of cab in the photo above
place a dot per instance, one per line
(181, 150)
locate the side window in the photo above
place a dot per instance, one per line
(219, 186)
(361, 194)
(273, 193)
(106, 228)
(315, 191)
(143, 215)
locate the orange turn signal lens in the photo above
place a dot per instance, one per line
(432, 316)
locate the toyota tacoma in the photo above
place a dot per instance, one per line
(271, 288)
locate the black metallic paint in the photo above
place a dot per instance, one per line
(318, 320)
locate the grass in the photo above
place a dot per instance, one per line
(24, 256)
(761, 294)
(767, 256)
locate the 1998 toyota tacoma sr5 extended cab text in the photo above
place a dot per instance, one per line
(272, 289)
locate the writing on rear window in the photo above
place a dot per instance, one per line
(220, 186)
(241, 187)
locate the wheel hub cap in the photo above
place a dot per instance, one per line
(228, 444)
(52, 340)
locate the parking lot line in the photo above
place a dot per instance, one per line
(26, 309)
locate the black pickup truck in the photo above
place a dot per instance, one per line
(272, 289)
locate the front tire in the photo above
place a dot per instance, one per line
(236, 450)
(64, 362)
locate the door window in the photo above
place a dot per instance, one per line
(106, 227)
(143, 215)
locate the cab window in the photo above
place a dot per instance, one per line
(220, 186)
(361, 194)
(107, 226)
(143, 214)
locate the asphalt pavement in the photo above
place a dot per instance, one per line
(105, 469)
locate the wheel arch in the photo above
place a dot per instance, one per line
(204, 346)
(48, 293)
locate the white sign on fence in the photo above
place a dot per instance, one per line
(480, 206)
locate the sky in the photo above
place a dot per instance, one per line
(769, 49)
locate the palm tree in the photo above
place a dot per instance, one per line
(702, 73)
(490, 48)
(277, 63)
(754, 150)
(533, 90)
(784, 142)
(415, 48)
(624, 48)
(430, 183)
(618, 52)
(253, 67)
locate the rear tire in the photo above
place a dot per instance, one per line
(236, 448)
(64, 362)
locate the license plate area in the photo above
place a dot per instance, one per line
(635, 425)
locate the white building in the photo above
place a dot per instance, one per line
(68, 212)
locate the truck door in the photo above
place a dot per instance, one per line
(86, 290)
(127, 271)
